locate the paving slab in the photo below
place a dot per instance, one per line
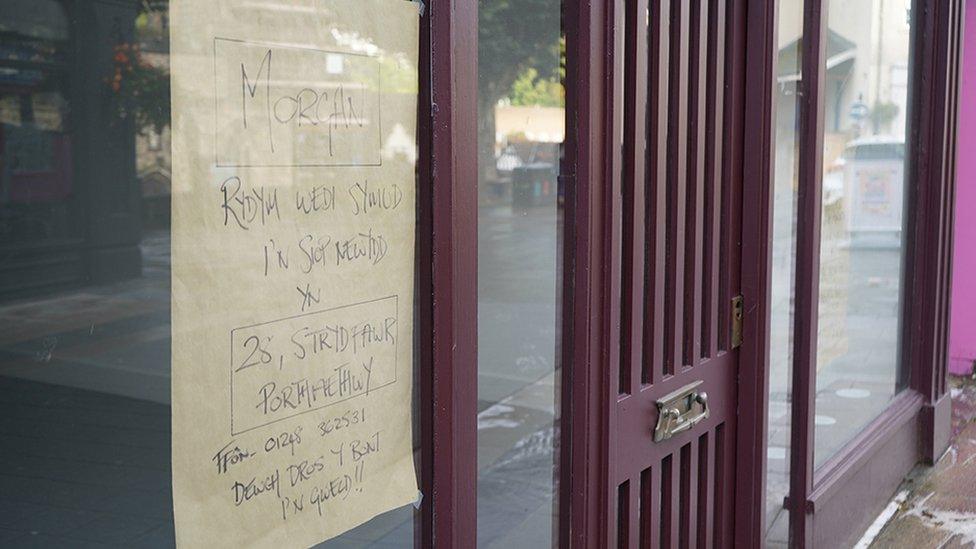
(940, 511)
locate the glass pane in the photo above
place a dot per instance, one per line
(85, 231)
(862, 237)
(783, 264)
(520, 131)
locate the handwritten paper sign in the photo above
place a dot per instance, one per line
(293, 257)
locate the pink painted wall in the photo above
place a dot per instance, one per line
(962, 334)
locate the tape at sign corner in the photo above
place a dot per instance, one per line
(420, 7)
(420, 497)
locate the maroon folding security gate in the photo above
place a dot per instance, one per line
(675, 219)
(655, 173)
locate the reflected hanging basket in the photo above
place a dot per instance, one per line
(139, 90)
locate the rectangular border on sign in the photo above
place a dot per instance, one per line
(396, 357)
(379, 109)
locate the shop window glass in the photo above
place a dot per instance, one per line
(521, 126)
(38, 199)
(862, 237)
(85, 332)
(786, 139)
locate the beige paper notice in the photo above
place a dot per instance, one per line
(293, 256)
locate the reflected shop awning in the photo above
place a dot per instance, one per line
(840, 58)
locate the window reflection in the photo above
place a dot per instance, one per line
(786, 139)
(84, 279)
(37, 195)
(85, 185)
(521, 127)
(862, 241)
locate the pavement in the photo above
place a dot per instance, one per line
(517, 374)
(939, 509)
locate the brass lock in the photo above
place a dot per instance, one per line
(680, 410)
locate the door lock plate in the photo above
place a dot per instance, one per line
(680, 410)
(736, 321)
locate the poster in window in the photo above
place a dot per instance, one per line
(293, 267)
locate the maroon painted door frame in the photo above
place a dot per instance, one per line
(447, 199)
(583, 448)
(757, 231)
(838, 500)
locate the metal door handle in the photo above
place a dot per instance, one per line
(680, 410)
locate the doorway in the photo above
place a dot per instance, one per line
(672, 193)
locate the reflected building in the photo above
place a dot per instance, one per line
(71, 188)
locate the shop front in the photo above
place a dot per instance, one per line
(628, 273)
